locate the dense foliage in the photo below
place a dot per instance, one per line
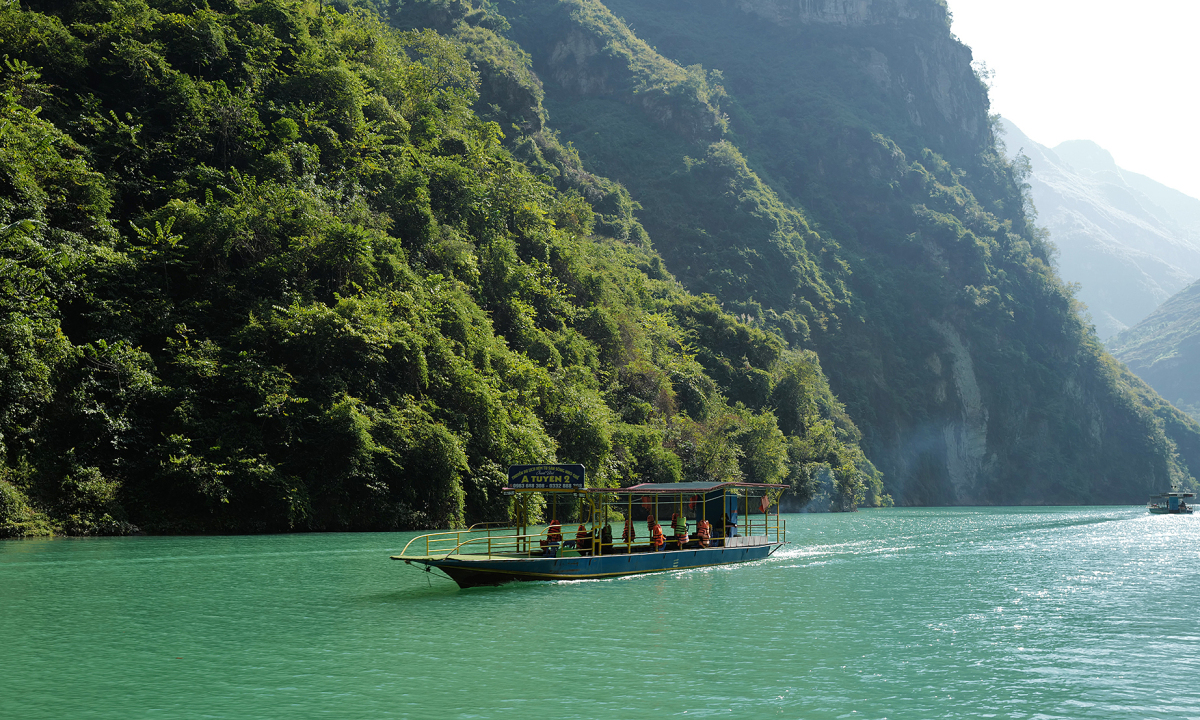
(266, 268)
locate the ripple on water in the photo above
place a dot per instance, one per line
(902, 613)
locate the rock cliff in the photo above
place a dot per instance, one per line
(848, 13)
(965, 436)
(903, 47)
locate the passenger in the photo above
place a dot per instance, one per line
(730, 527)
(553, 539)
(656, 535)
(583, 540)
(679, 525)
(703, 532)
(629, 534)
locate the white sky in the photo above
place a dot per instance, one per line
(1122, 74)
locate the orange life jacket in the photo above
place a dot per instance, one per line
(656, 535)
(630, 532)
(702, 530)
(554, 532)
(582, 533)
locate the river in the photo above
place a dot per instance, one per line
(898, 614)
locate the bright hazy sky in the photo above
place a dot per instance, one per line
(1122, 74)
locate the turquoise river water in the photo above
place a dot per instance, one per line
(903, 613)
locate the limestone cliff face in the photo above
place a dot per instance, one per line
(576, 64)
(965, 435)
(941, 90)
(914, 59)
(844, 12)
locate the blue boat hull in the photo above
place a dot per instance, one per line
(468, 572)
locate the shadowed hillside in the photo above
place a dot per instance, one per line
(849, 195)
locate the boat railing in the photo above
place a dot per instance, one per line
(503, 545)
(510, 545)
(451, 543)
(488, 527)
(768, 525)
(448, 541)
(444, 541)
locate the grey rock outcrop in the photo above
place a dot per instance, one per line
(966, 437)
(930, 72)
(849, 13)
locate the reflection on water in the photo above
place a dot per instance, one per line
(906, 613)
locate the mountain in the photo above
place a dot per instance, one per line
(1128, 241)
(828, 171)
(1164, 349)
(279, 266)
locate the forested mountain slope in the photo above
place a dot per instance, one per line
(1128, 241)
(276, 266)
(830, 173)
(1164, 349)
(264, 268)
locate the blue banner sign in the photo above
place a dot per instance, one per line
(546, 477)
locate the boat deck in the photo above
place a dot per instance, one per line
(492, 553)
(473, 570)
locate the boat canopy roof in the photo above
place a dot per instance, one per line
(689, 488)
(682, 487)
(1174, 493)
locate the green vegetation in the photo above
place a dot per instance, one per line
(265, 268)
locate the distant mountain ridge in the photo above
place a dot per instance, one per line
(1164, 349)
(1129, 241)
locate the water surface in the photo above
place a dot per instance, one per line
(904, 613)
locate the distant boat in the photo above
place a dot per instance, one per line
(489, 555)
(1171, 503)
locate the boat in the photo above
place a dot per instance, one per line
(741, 528)
(1171, 503)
